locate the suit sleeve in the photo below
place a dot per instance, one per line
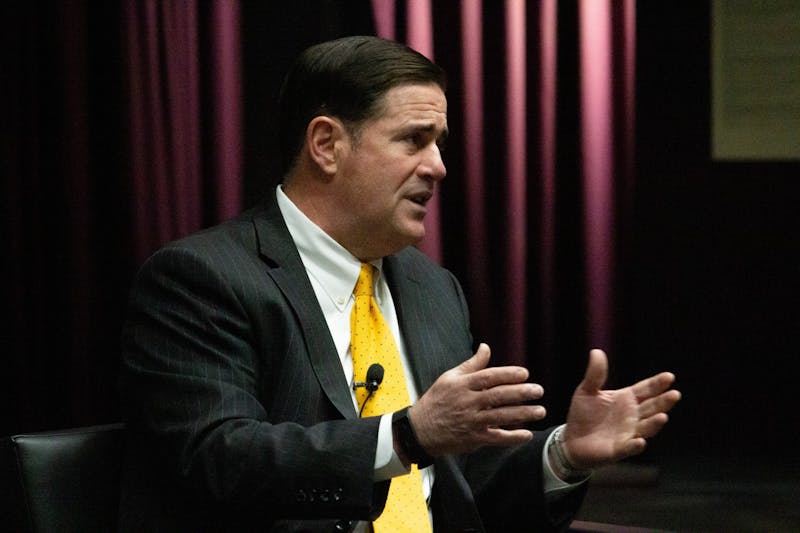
(196, 390)
(509, 489)
(508, 485)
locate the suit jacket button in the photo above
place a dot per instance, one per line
(342, 525)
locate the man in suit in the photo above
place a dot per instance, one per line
(237, 378)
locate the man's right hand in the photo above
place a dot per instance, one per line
(470, 406)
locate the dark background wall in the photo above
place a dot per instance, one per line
(709, 283)
(710, 278)
(714, 285)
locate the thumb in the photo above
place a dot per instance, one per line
(596, 372)
(478, 361)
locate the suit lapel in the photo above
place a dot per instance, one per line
(411, 299)
(286, 269)
(421, 311)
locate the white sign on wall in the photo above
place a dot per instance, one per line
(755, 79)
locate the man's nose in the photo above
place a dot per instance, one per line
(433, 165)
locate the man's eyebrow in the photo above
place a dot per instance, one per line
(426, 127)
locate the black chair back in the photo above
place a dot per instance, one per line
(65, 480)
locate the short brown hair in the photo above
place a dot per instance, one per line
(346, 78)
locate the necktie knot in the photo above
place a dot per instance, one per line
(364, 284)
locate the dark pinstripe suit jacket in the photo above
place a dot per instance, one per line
(240, 417)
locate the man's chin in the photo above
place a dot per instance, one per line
(406, 239)
(416, 234)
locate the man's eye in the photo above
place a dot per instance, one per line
(415, 139)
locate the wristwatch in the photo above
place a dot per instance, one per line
(559, 461)
(401, 427)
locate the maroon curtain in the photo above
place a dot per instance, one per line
(185, 117)
(60, 183)
(541, 110)
(121, 130)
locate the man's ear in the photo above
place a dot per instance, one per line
(324, 136)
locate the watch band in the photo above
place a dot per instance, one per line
(404, 432)
(564, 466)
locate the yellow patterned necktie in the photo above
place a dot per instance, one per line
(371, 341)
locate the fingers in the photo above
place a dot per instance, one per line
(653, 413)
(509, 395)
(510, 416)
(477, 362)
(633, 447)
(660, 404)
(490, 378)
(653, 386)
(644, 429)
(481, 378)
(504, 405)
(650, 427)
(596, 372)
(507, 437)
(472, 405)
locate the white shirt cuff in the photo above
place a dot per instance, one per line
(553, 485)
(387, 463)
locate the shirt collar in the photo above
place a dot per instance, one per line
(334, 268)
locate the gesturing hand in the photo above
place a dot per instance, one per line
(469, 406)
(604, 426)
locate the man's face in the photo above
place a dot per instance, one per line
(389, 170)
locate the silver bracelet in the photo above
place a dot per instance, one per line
(570, 471)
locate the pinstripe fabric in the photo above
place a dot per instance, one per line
(239, 416)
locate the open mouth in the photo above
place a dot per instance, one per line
(421, 198)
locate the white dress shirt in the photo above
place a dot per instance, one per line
(333, 272)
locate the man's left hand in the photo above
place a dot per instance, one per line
(604, 426)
